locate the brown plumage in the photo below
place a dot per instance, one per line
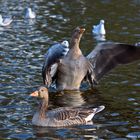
(53, 55)
(75, 67)
(107, 56)
(64, 116)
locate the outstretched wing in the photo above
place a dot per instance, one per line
(52, 57)
(107, 56)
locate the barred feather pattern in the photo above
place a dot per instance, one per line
(63, 116)
(74, 116)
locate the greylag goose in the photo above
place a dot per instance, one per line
(74, 68)
(63, 116)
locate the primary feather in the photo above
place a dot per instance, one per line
(52, 57)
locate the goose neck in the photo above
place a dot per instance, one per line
(43, 108)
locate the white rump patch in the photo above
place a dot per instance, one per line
(89, 117)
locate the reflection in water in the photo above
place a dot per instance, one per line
(30, 22)
(69, 98)
(77, 98)
(72, 132)
(136, 1)
(23, 45)
(99, 37)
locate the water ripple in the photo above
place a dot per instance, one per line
(22, 48)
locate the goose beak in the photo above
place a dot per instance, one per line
(82, 30)
(34, 94)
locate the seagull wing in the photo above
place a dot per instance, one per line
(7, 21)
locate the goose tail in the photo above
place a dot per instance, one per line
(99, 109)
(95, 110)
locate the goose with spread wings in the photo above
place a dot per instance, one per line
(74, 68)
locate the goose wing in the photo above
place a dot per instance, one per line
(107, 56)
(52, 57)
(70, 116)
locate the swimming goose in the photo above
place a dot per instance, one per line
(99, 29)
(75, 68)
(63, 116)
(53, 55)
(6, 21)
(30, 14)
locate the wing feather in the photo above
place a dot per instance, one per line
(71, 113)
(52, 57)
(107, 56)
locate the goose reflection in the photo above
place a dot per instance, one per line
(68, 98)
(76, 98)
(88, 132)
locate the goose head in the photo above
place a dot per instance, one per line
(42, 93)
(76, 35)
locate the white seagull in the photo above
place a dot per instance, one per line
(30, 14)
(99, 29)
(5, 22)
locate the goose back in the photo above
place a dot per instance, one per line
(66, 116)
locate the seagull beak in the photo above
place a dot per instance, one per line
(34, 94)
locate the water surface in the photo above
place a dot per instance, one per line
(22, 48)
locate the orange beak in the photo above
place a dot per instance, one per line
(82, 30)
(34, 94)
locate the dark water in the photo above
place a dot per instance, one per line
(23, 45)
